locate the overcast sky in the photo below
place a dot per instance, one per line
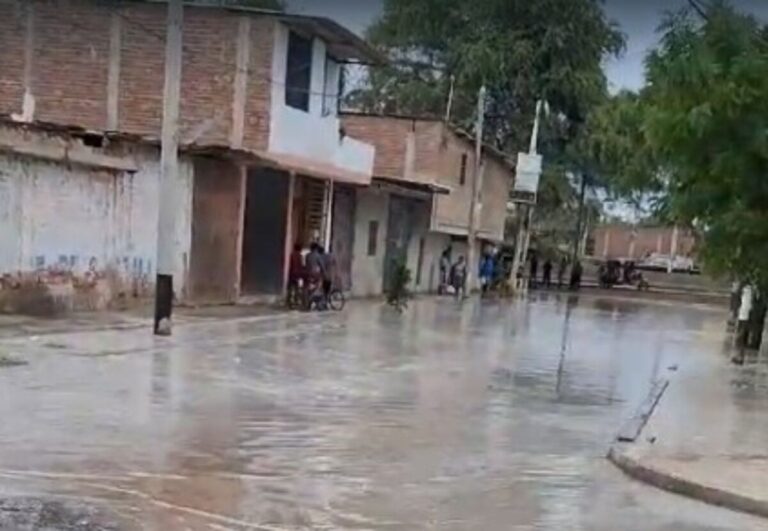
(638, 20)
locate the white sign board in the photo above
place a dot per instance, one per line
(528, 173)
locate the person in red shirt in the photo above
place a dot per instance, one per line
(296, 274)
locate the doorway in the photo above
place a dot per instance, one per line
(266, 204)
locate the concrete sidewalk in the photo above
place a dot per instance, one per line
(14, 326)
(708, 437)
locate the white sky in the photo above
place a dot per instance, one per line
(638, 19)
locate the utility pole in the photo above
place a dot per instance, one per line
(477, 186)
(523, 239)
(169, 169)
(579, 222)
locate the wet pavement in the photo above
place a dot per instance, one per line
(476, 416)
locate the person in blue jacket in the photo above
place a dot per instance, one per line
(487, 271)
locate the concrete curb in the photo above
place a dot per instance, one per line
(656, 477)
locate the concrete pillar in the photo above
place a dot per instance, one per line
(242, 64)
(606, 242)
(288, 229)
(169, 169)
(113, 71)
(28, 102)
(672, 250)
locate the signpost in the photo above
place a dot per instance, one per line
(527, 175)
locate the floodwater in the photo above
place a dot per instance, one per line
(481, 416)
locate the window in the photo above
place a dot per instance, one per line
(332, 87)
(463, 174)
(373, 237)
(298, 73)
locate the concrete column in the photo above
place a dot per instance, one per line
(673, 249)
(242, 64)
(288, 229)
(328, 228)
(169, 169)
(240, 231)
(28, 103)
(113, 71)
(606, 242)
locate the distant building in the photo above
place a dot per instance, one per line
(420, 198)
(621, 241)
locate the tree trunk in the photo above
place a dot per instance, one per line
(756, 323)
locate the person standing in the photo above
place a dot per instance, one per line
(534, 270)
(459, 277)
(546, 278)
(742, 327)
(487, 270)
(561, 271)
(445, 270)
(295, 276)
(329, 272)
(576, 276)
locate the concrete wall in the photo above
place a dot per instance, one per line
(313, 134)
(78, 236)
(368, 271)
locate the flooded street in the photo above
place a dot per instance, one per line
(482, 416)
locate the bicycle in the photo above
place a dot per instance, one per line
(320, 301)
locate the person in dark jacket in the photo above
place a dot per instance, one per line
(576, 276)
(561, 271)
(534, 270)
(546, 278)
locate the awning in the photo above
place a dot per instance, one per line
(313, 168)
(411, 187)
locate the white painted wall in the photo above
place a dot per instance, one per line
(74, 218)
(368, 271)
(312, 135)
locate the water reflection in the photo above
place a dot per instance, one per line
(484, 415)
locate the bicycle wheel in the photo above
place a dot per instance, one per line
(336, 300)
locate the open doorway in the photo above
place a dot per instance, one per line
(266, 203)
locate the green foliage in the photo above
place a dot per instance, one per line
(521, 50)
(398, 293)
(698, 133)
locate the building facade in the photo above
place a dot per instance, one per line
(264, 160)
(621, 241)
(419, 201)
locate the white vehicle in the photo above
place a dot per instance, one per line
(661, 262)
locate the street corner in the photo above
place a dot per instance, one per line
(736, 483)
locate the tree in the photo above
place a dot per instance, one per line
(521, 50)
(698, 135)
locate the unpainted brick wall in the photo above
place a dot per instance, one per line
(437, 159)
(71, 62)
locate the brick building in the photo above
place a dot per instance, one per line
(258, 129)
(621, 241)
(420, 198)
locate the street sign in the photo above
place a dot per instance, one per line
(528, 173)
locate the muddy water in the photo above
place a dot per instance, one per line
(481, 416)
